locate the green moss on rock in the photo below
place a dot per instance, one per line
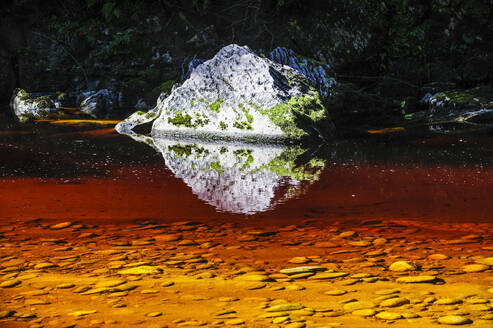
(216, 105)
(43, 102)
(181, 120)
(216, 166)
(298, 115)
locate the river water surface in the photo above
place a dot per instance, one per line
(94, 174)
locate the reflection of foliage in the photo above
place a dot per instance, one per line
(284, 165)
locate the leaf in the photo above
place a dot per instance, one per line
(107, 10)
(91, 3)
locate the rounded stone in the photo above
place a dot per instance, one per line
(296, 325)
(348, 234)
(438, 256)
(447, 301)
(475, 268)
(235, 322)
(302, 269)
(365, 312)
(401, 266)
(300, 260)
(416, 279)
(145, 269)
(10, 283)
(394, 302)
(454, 320)
(284, 307)
(335, 292)
(388, 315)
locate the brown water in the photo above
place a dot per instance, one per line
(94, 174)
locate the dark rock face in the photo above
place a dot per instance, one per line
(99, 104)
(460, 105)
(472, 107)
(319, 74)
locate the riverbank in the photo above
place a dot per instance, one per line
(233, 273)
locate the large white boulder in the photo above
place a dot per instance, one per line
(242, 96)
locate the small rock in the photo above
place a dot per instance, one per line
(335, 292)
(44, 265)
(235, 322)
(475, 268)
(300, 260)
(454, 320)
(416, 279)
(294, 287)
(154, 314)
(447, 301)
(6, 314)
(302, 269)
(109, 283)
(401, 266)
(394, 302)
(10, 283)
(358, 305)
(295, 325)
(145, 269)
(61, 225)
(348, 234)
(438, 256)
(387, 291)
(284, 307)
(388, 315)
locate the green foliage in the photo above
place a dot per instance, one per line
(167, 86)
(109, 9)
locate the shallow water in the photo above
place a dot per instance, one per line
(94, 174)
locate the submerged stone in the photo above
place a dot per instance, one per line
(242, 96)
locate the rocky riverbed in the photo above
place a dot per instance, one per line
(216, 273)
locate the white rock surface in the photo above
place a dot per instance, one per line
(26, 107)
(239, 95)
(98, 104)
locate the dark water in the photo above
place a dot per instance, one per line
(91, 173)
